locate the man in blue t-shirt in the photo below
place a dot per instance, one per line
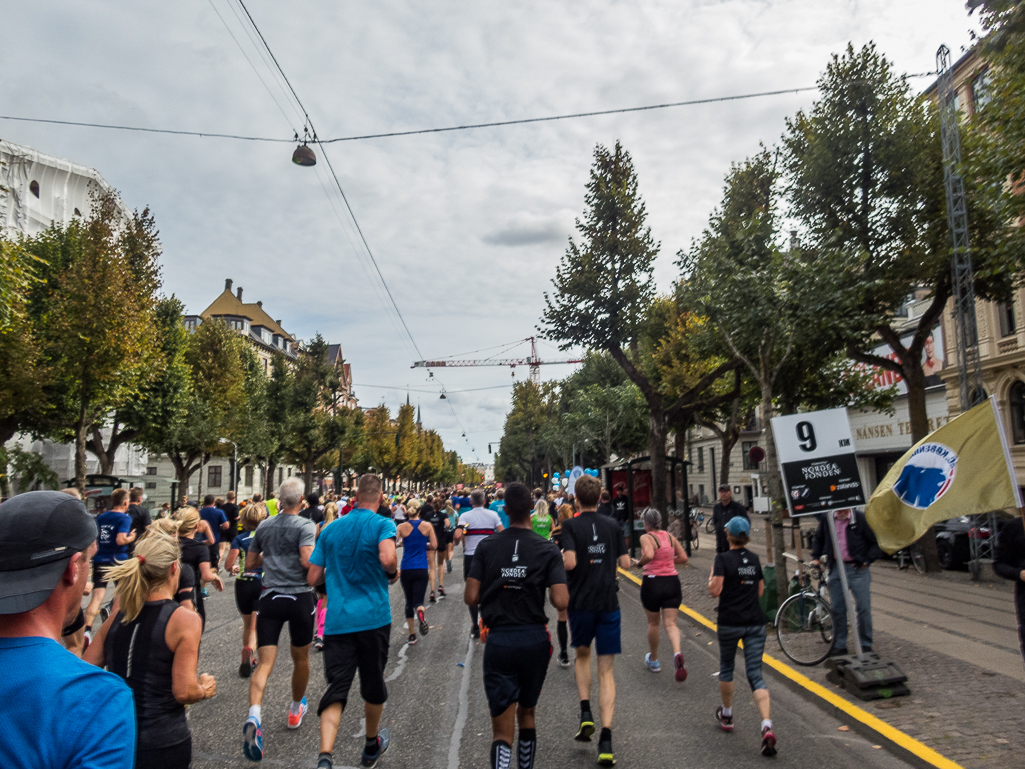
(115, 534)
(218, 522)
(499, 507)
(356, 555)
(46, 540)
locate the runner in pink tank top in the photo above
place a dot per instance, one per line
(661, 595)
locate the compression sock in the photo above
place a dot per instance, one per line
(563, 632)
(321, 616)
(727, 712)
(585, 706)
(606, 735)
(766, 723)
(501, 755)
(372, 746)
(526, 749)
(254, 712)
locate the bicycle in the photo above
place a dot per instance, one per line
(804, 622)
(911, 555)
(710, 525)
(695, 520)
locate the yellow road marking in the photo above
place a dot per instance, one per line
(896, 736)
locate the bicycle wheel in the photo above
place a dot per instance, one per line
(918, 559)
(709, 527)
(804, 629)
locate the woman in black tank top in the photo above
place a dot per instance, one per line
(141, 642)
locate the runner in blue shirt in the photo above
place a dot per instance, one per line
(499, 507)
(115, 534)
(218, 524)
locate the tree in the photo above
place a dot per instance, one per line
(523, 451)
(605, 288)
(94, 312)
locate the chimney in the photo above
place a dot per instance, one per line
(239, 294)
(794, 242)
(278, 322)
(259, 303)
(227, 284)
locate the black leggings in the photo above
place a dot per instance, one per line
(174, 757)
(414, 585)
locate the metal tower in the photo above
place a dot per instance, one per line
(966, 333)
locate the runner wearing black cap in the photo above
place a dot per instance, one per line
(46, 541)
(508, 577)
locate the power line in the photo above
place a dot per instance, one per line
(403, 388)
(446, 129)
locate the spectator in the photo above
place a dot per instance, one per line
(605, 504)
(1009, 563)
(723, 511)
(46, 541)
(858, 549)
(621, 510)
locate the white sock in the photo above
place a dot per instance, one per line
(254, 712)
(766, 723)
(295, 707)
(727, 712)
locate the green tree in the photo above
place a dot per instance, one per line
(93, 309)
(605, 289)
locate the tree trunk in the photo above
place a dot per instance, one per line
(657, 450)
(80, 438)
(777, 503)
(727, 440)
(272, 465)
(96, 447)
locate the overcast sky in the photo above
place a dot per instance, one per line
(467, 227)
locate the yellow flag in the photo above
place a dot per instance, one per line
(963, 468)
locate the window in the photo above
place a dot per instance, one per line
(281, 475)
(1005, 315)
(33, 187)
(249, 475)
(702, 499)
(1017, 398)
(746, 447)
(151, 471)
(151, 484)
(214, 477)
(701, 460)
(980, 90)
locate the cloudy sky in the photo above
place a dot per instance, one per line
(467, 227)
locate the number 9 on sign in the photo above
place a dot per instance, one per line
(806, 436)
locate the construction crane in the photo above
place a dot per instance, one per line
(533, 361)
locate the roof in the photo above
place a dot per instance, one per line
(229, 304)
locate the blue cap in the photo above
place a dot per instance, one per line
(738, 527)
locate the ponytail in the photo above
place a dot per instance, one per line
(147, 570)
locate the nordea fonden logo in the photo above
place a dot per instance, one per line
(927, 476)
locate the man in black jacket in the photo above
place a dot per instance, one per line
(1009, 563)
(725, 509)
(858, 549)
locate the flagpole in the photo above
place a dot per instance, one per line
(848, 599)
(1007, 459)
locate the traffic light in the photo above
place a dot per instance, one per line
(489, 448)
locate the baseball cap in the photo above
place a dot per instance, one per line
(39, 532)
(738, 526)
(725, 487)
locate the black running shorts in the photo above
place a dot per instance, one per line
(659, 593)
(275, 609)
(515, 665)
(344, 654)
(100, 574)
(247, 594)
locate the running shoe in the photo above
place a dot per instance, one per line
(434, 598)
(205, 592)
(768, 742)
(412, 639)
(586, 730)
(246, 668)
(325, 763)
(448, 568)
(475, 632)
(564, 659)
(86, 640)
(654, 666)
(318, 643)
(423, 622)
(605, 757)
(252, 739)
(441, 592)
(369, 760)
(104, 614)
(681, 670)
(295, 719)
(725, 722)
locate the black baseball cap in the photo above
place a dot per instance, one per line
(725, 487)
(39, 532)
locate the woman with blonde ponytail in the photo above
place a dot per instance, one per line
(153, 644)
(184, 595)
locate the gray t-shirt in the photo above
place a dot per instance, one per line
(279, 539)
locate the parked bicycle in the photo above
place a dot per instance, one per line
(710, 525)
(804, 622)
(911, 556)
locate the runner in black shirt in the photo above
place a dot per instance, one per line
(736, 580)
(508, 577)
(140, 516)
(592, 548)
(433, 513)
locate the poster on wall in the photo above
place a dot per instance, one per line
(932, 362)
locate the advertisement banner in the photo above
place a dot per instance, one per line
(932, 362)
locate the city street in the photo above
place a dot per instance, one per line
(438, 714)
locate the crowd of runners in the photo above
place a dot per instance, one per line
(325, 571)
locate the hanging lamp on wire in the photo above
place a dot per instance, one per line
(303, 155)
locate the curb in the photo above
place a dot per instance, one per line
(902, 745)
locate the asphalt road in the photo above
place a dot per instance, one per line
(438, 714)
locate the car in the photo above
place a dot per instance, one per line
(953, 538)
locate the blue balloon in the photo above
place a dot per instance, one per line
(555, 475)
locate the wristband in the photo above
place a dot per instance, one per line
(391, 574)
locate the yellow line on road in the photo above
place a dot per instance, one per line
(892, 734)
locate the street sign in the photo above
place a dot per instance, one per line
(817, 461)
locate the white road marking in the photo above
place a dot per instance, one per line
(400, 666)
(464, 691)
